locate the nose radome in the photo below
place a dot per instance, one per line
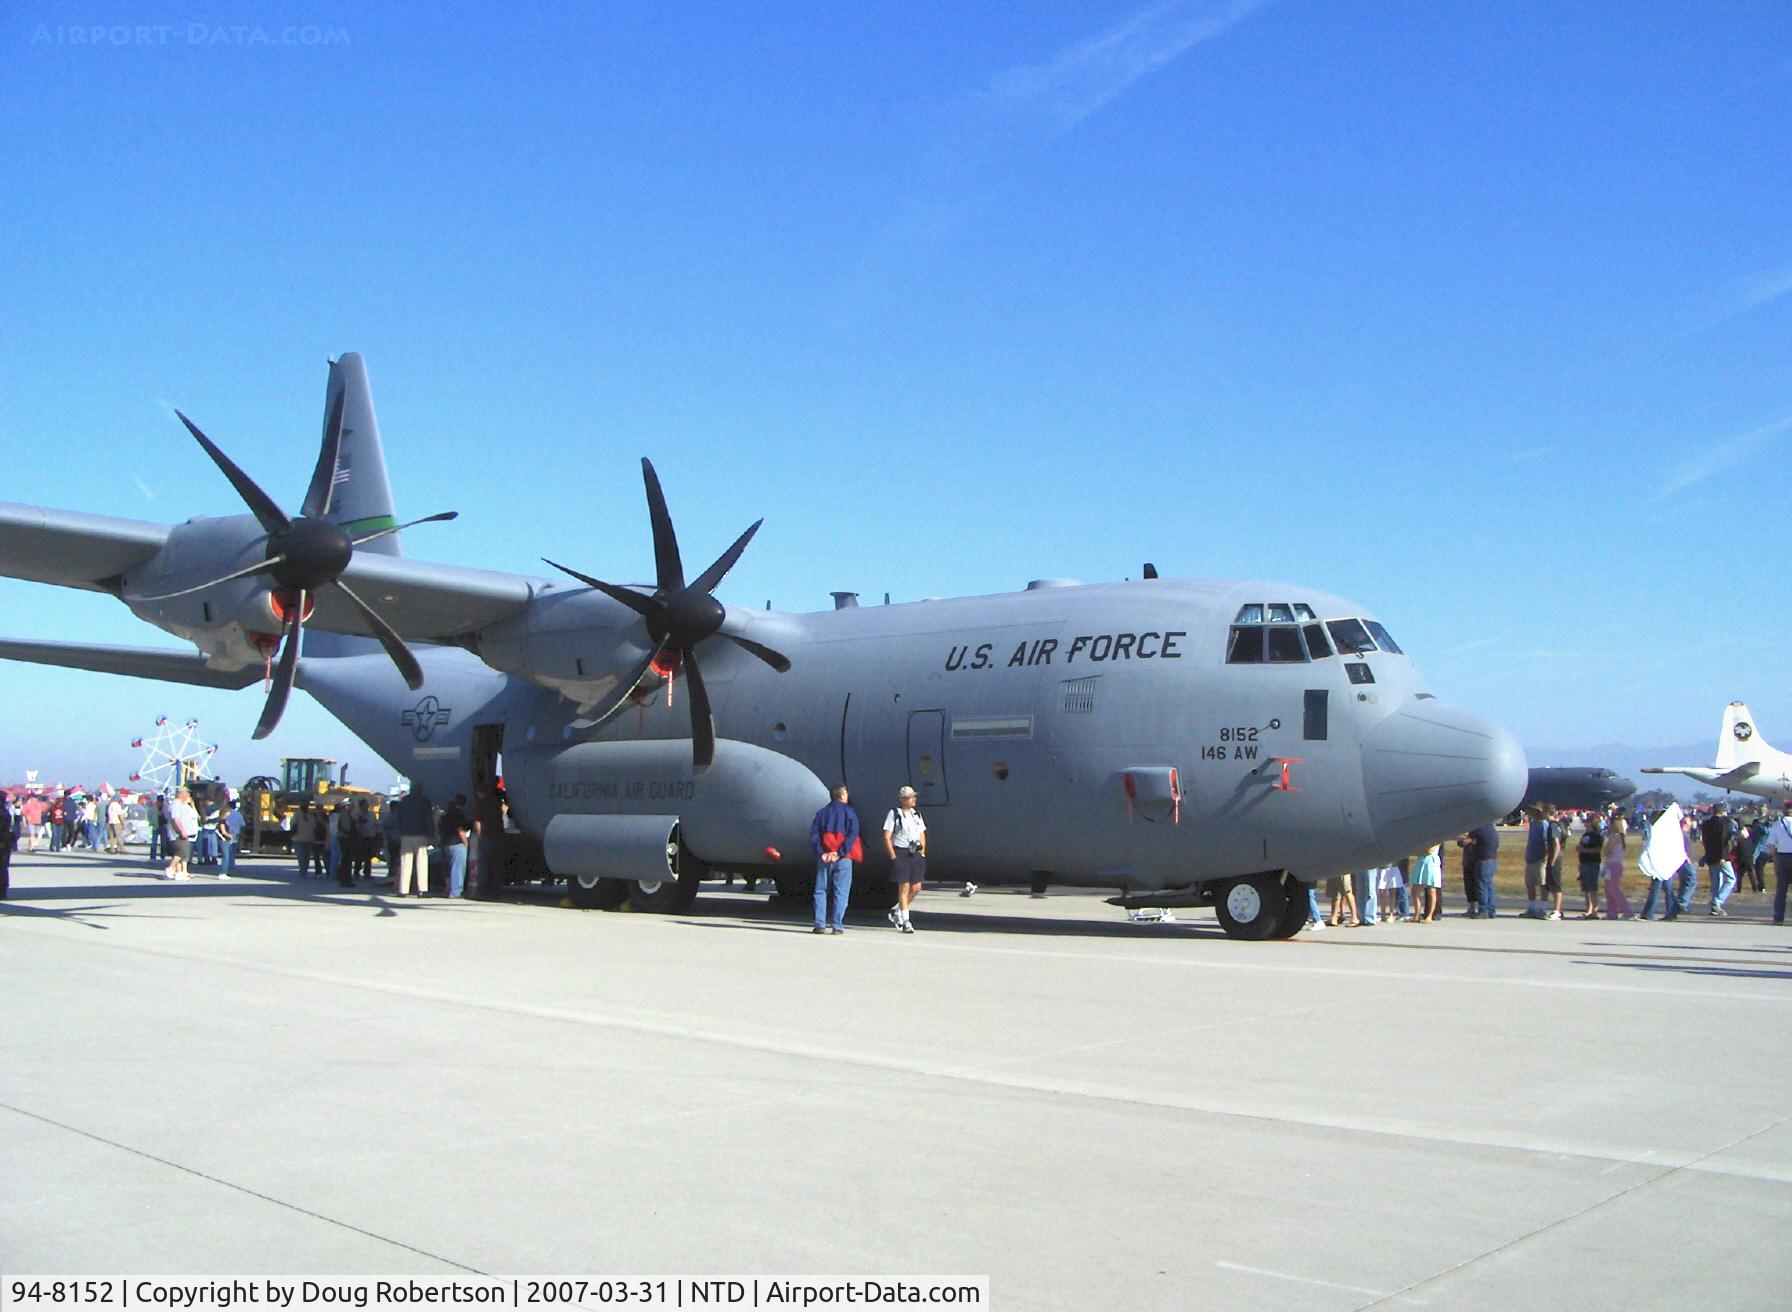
(1431, 771)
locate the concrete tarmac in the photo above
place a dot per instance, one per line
(271, 1076)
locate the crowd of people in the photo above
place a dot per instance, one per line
(200, 830)
(1732, 849)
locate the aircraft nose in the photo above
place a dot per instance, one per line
(1431, 771)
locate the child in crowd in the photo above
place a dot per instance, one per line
(1616, 904)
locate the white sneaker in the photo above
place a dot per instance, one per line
(895, 917)
(222, 875)
(1315, 924)
(967, 890)
(1554, 915)
(906, 928)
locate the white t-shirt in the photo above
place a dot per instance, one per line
(183, 819)
(1779, 838)
(905, 827)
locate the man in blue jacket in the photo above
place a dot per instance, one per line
(834, 836)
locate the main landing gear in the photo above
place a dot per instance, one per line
(1257, 907)
(671, 892)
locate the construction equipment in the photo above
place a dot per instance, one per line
(268, 803)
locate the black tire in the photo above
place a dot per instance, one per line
(671, 896)
(1294, 914)
(1250, 908)
(590, 894)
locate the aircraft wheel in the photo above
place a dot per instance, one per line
(590, 893)
(666, 896)
(1294, 912)
(1251, 908)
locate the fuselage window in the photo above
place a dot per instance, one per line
(1382, 639)
(1281, 613)
(1284, 645)
(1318, 645)
(1350, 636)
(1251, 614)
(1246, 646)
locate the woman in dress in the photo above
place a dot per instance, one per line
(1428, 886)
(1616, 904)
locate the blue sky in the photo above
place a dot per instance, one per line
(1479, 314)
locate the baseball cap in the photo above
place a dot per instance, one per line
(905, 791)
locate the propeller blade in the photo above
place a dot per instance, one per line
(394, 645)
(703, 724)
(776, 659)
(260, 504)
(620, 694)
(256, 568)
(645, 607)
(284, 673)
(442, 518)
(669, 569)
(707, 580)
(323, 478)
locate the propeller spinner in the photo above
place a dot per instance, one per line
(679, 616)
(305, 556)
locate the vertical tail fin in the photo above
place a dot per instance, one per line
(1738, 741)
(362, 500)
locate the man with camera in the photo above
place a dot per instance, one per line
(905, 840)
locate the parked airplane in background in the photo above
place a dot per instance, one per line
(1575, 788)
(1232, 739)
(1745, 763)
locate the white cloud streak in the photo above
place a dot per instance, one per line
(1078, 80)
(1717, 458)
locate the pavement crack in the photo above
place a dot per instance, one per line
(239, 1188)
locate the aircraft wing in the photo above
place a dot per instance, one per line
(73, 549)
(422, 599)
(140, 662)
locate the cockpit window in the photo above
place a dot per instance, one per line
(1350, 636)
(1318, 645)
(1382, 639)
(1284, 645)
(1280, 612)
(1251, 614)
(1246, 645)
(1302, 611)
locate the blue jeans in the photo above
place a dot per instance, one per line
(1686, 885)
(1366, 905)
(1723, 883)
(334, 869)
(833, 881)
(457, 869)
(1314, 915)
(229, 856)
(1485, 897)
(1658, 888)
(1402, 902)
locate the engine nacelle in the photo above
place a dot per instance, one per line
(573, 640)
(235, 624)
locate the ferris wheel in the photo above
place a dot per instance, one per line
(173, 756)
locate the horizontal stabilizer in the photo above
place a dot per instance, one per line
(138, 662)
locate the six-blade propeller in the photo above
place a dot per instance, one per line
(305, 556)
(679, 616)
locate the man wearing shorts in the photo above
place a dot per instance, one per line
(905, 840)
(183, 827)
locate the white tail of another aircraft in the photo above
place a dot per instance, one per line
(1739, 742)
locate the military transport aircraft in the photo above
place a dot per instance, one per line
(1744, 762)
(1167, 737)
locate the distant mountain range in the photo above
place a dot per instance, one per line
(1629, 762)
